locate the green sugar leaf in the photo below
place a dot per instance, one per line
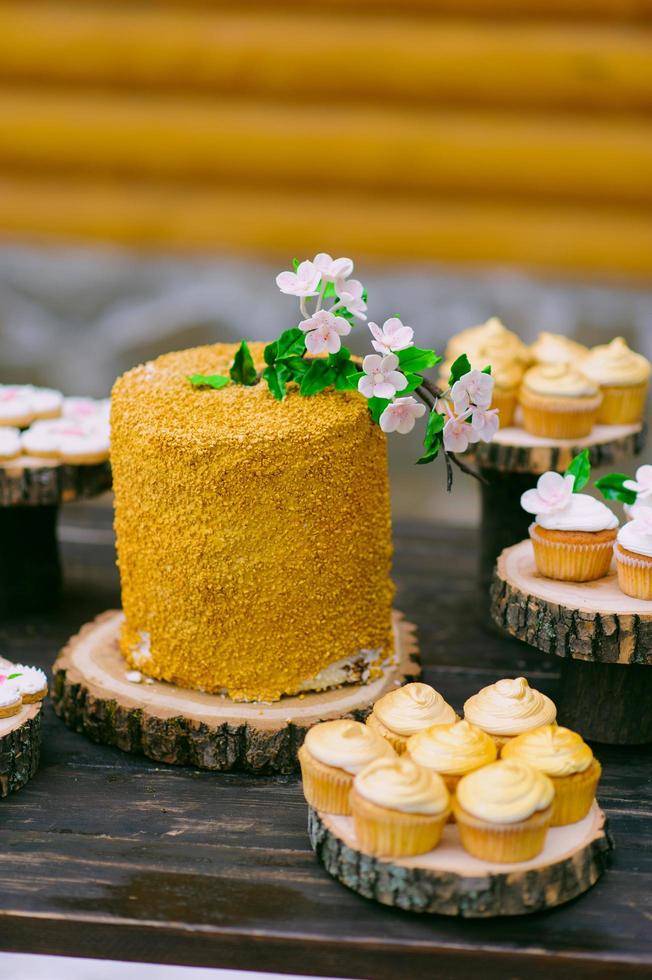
(487, 369)
(377, 406)
(580, 468)
(343, 354)
(208, 380)
(277, 378)
(413, 382)
(12, 677)
(296, 264)
(434, 428)
(611, 487)
(319, 375)
(291, 343)
(243, 371)
(459, 368)
(329, 290)
(417, 359)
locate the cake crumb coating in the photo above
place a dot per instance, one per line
(253, 536)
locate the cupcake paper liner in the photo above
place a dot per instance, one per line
(504, 399)
(398, 742)
(574, 795)
(390, 833)
(325, 788)
(503, 843)
(558, 418)
(634, 575)
(571, 562)
(622, 404)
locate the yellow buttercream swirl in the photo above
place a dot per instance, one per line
(560, 380)
(400, 784)
(616, 364)
(412, 708)
(347, 745)
(509, 707)
(487, 337)
(554, 348)
(453, 749)
(554, 750)
(505, 792)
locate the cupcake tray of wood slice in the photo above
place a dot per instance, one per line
(20, 747)
(449, 881)
(603, 636)
(92, 695)
(31, 492)
(513, 461)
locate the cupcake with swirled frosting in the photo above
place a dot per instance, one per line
(492, 335)
(452, 750)
(623, 377)
(554, 348)
(558, 402)
(332, 754)
(503, 811)
(508, 708)
(408, 710)
(567, 760)
(399, 808)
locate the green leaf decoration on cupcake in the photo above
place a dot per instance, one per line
(612, 487)
(208, 380)
(580, 468)
(243, 370)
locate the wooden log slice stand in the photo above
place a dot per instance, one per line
(513, 462)
(31, 492)
(208, 731)
(603, 636)
(20, 747)
(449, 881)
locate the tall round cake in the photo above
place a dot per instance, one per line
(254, 535)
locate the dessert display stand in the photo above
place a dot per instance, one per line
(513, 462)
(20, 747)
(449, 881)
(603, 636)
(31, 493)
(93, 695)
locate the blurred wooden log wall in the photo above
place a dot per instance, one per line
(510, 131)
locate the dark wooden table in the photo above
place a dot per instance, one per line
(109, 855)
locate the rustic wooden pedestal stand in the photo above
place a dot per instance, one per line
(20, 747)
(172, 724)
(451, 882)
(604, 636)
(513, 462)
(31, 492)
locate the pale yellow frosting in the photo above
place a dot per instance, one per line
(347, 745)
(554, 348)
(505, 792)
(457, 748)
(509, 707)
(560, 380)
(400, 784)
(616, 364)
(486, 337)
(412, 708)
(554, 750)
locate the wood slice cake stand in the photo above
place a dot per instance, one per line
(20, 747)
(31, 491)
(172, 724)
(604, 636)
(513, 462)
(449, 881)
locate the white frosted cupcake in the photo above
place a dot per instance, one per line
(408, 710)
(399, 808)
(331, 755)
(573, 534)
(503, 811)
(9, 443)
(508, 708)
(452, 750)
(554, 348)
(623, 377)
(32, 683)
(10, 697)
(633, 553)
(558, 402)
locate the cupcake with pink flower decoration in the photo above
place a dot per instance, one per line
(633, 553)
(573, 535)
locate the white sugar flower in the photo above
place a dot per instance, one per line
(381, 379)
(350, 292)
(473, 388)
(485, 423)
(303, 282)
(553, 493)
(458, 434)
(394, 335)
(401, 415)
(323, 331)
(642, 517)
(331, 269)
(642, 485)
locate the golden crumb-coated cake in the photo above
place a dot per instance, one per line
(254, 536)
